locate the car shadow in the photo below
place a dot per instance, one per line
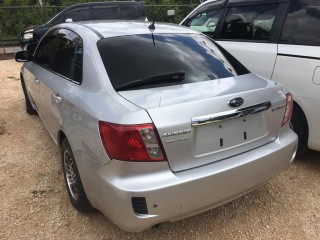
(310, 159)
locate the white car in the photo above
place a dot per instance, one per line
(278, 40)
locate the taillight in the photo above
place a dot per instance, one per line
(288, 110)
(131, 142)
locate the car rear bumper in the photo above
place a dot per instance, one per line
(172, 196)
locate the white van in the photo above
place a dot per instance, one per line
(277, 39)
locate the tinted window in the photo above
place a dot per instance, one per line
(129, 11)
(67, 60)
(194, 58)
(302, 23)
(205, 22)
(78, 15)
(46, 50)
(250, 22)
(61, 51)
(106, 12)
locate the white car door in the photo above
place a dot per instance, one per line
(250, 54)
(298, 67)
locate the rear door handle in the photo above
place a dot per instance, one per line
(37, 81)
(57, 98)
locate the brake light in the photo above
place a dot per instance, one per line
(288, 110)
(131, 142)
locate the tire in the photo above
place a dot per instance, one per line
(72, 179)
(29, 107)
(299, 125)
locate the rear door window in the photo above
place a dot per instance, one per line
(61, 51)
(301, 26)
(78, 15)
(130, 11)
(162, 60)
(253, 22)
(67, 60)
(105, 12)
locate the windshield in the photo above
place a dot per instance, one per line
(142, 58)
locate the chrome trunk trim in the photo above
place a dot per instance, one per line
(229, 115)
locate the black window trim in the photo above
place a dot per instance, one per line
(54, 72)
(233, 3)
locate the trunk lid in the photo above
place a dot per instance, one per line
(197, 126)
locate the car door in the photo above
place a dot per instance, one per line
(298, 66)
(250, 32)
(66, 69)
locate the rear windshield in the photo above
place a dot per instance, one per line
(157, 60)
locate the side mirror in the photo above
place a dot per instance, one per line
(68, 20)
(23, 56)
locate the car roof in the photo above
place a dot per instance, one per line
(96, 4)
(100, 4)
(106, 29)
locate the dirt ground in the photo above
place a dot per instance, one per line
(34, 203)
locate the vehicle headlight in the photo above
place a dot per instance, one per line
(27, 35)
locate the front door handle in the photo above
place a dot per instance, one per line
(37, 81)
(57, 99)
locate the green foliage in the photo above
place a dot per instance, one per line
(17, 15)
(14, 20)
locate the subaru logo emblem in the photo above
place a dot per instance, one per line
(235, 102)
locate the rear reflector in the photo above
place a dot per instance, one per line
(131, 142)
(288, 110)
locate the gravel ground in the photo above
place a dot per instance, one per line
(35, 205)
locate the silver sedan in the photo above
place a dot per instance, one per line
(155, 122)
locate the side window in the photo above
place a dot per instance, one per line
(46, 49)
(129, 11)
(302, 23)
(105, 12)
(67, 60)
(253, 22)
(77, 15)
(205, 21)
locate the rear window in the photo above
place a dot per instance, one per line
(146, 61)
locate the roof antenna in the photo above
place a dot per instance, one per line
(151, 26)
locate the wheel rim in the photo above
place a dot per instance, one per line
(70, 174)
